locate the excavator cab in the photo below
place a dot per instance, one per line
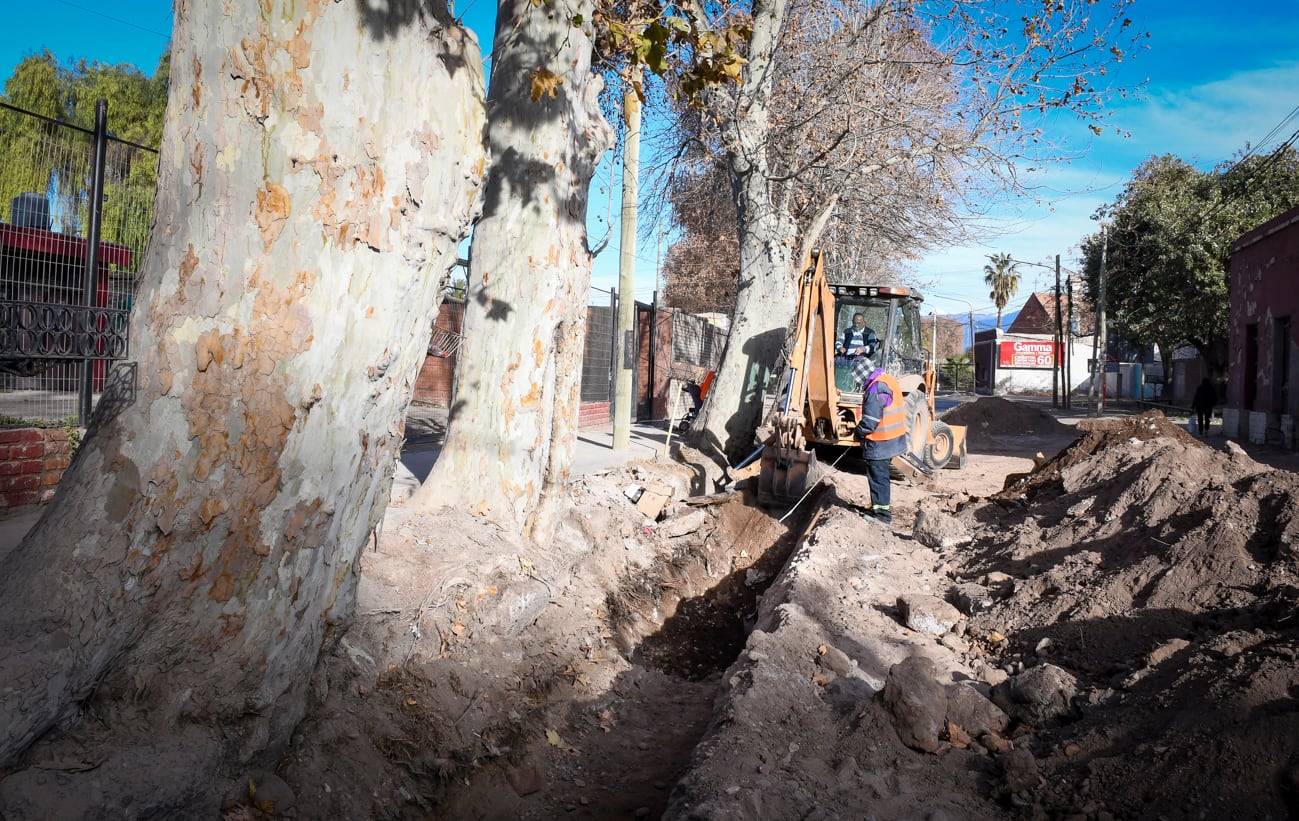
(893, 315)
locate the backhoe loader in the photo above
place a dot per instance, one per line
(819, 400)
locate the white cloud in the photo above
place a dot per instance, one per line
(1209, 123)
(1205, 123)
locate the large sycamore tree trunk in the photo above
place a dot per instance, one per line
(765, 292)
(514, 418)
(319, 166)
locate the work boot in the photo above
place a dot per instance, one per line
(883, 513)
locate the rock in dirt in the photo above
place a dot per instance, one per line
(1019, 769)
(836, 661)
(524, 780)
(683, 525)
(999, 584)
(1166, 651)
(968, 709)
(1037, 695)
(272, 792)
(970, 598)
(939, 530)
(988, 674)
(520, 603)
(916, 702)
(927, 614)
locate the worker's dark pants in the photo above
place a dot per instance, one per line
(1202, 420)
(877, 476)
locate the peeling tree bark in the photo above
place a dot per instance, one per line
(319, 166)
(765, 291)
(514, 418)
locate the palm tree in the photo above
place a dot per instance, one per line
(1002, 277)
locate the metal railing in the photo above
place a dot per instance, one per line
(597, 360)
(76, 208)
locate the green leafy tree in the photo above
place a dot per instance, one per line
(45, 158)
(1001, 274)
(1167, 247)
(35, 86)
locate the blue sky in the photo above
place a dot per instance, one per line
(1217, 76)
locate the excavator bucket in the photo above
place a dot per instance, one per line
(784, 475)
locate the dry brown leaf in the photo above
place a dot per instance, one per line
(959, 738)
(544, 83)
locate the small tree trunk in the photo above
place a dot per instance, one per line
(318, 170)
(514, 418)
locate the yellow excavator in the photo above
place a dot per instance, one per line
(819, 400)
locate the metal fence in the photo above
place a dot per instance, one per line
(696, 341)
(956, 377)
(597, 360)
(53, 316)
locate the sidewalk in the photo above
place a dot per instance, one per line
(425, 432)
(592, 452)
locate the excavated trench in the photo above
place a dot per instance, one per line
(681, 623)
(690, 614)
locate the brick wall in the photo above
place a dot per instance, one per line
(437, 375)
(593, 414)
(32, 461)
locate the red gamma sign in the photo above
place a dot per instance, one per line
(1023, 353)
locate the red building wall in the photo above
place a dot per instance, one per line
(1262, 344)
(436, 378)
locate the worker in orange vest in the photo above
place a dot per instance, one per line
(883, 431)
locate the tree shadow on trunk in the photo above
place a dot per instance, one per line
(761, 353)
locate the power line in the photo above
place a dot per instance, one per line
(1273, 159)
(118, 20)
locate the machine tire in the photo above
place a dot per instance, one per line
(943, 447)
(917, 407)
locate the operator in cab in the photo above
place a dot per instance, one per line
(857, 339)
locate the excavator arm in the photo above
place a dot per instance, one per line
(809, 396)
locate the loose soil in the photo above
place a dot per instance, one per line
(1127, 600)
(721, 664)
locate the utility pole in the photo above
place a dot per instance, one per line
(626, 361)
(1098, 337)
(1055, 343)
(1068, 348)
(933, 347)
(973, 352)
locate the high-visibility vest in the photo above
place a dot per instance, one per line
(894, 421)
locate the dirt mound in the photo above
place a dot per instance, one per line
(995, 416)
(1164, 575)
(1097, 435)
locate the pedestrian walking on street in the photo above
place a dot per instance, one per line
(1206, 396)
